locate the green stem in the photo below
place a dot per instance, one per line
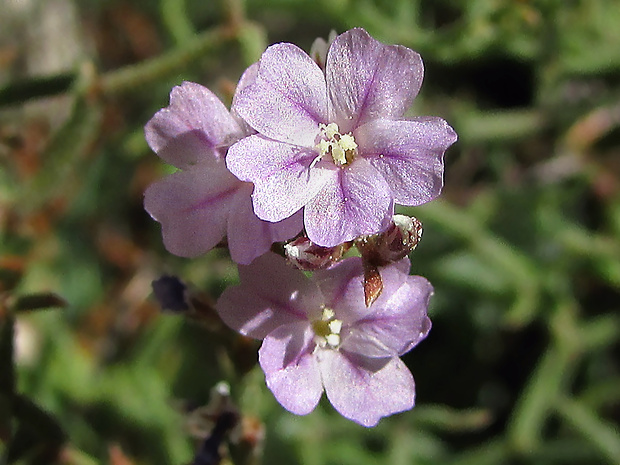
(174, 16)
(36, 87)
(602, 394)
(476, 127)
(547, 381)
(533, 407)
(601, 434)
(491, 453)
(602, 250)
(561, 451)
(443, 418)
(235, 12)
(135, 76)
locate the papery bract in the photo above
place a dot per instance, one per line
(307, 256)
(203, 202)
(319, 336)
(334, 141)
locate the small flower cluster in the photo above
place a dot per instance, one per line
(310, 161)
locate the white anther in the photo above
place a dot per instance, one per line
(333, 340)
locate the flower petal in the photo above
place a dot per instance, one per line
(250, 237)
(354, 201)
(367, 80)
(247, 78)
(192, 207)
(395, 324)
(283, 180)
(257, 306)
(191, 129)
(366, 389)
(343, 289)
(291, 371)
(409, 155)
(288, 98)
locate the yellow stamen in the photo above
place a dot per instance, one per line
(327, 329)
(341, 147)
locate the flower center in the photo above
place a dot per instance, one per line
(327, 329)
(341, 147)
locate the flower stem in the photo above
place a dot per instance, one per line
(550, 377)
(593, 429)
(134, 76)
(174, 15)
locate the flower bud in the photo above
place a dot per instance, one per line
(401, 238)
(305, 255)
(395, 243)
(378, 250)
(174, 296)
(171, 294)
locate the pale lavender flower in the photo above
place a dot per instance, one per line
(318, 335)
(204, 202)
(334, 141)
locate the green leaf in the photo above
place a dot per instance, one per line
(253, 41)
(601, 434)
(39, 301)
(35, 87)
(174, 16)
(440, 417)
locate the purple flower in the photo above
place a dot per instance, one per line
(335, 141)
(318, 335)
(204, 202)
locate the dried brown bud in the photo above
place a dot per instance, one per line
(307, 256)
(401, 237)
(373, 284)
(390, 246)
(395, 243)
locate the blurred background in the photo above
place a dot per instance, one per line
(523, 248)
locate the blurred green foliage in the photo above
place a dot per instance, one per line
(523, 248)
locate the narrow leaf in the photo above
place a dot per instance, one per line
(36, 87)
(39, 301)
(600, 433)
